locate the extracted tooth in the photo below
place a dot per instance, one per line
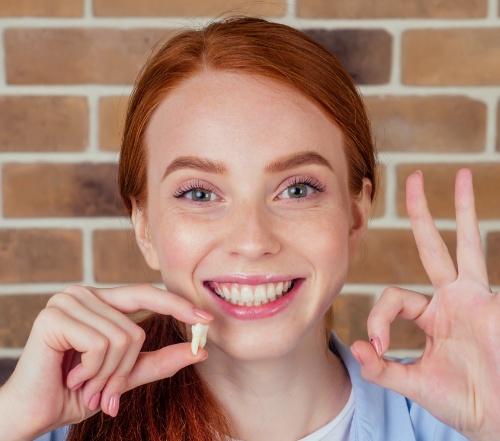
(199, 332)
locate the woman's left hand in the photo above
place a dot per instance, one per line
(457, 379)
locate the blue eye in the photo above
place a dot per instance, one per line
(297, 191)
(300, 188)
(200, 195)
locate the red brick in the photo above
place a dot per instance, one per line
(429, 123)
(76, 56)
(447, 57)
(158, 8)
(40, 255)
(112, 112)
(41, 8)
(391, 9)
(117, 259)
(498, 126)
(391, 257)
(365, 53)
(60, 190)
(493, 257)
(17, 314)
(439, 188)
(378, 208)
(43, 123)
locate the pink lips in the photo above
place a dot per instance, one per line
(254, 312)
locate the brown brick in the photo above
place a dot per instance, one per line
(41, 8)
(365, 53)
(158, 8)
(431, 123)
(378, 209)
(498, 126)
(17, 313)
(391, 257)
(405, 334)
(75, 56)
(43, 123)
(391, 9)
(446, 57)
(60, 190)
(439, 188)
(40, 255)
(117, 259)
(493, 257)
(350, 313)
(112, 112)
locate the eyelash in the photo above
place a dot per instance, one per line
(190, 186)
(306, 180)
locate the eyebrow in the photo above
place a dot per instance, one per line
(193, 162)
(296, 160)
(281, 164)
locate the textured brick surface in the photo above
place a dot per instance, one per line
(378, 208)
(365, 53)
(390, 256)
(349, 316)
(440, 57)
(117, 259)
(432, 123)
(391, 9)
(43, 123)
(60, 190)
(439, 188)
(498, 126)
(40, 255)
(41, 8)
(152, 8)
(493, 257)
(74, 56)
(17, 313)
(112, 111)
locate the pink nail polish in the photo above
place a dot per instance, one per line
(203, 314)
(114, 405)
(77, 386)
(375, 341)
(94, 401)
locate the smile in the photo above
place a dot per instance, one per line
(250, 295)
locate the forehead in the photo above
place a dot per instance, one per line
(216, 113)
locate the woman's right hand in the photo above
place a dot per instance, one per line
(84, 352)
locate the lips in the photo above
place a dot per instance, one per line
(250, 295)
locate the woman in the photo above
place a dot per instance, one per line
(248, 169)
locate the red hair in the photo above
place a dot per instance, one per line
(183, 407)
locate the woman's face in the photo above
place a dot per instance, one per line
(248, 212)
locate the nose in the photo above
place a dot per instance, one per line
(251, 232)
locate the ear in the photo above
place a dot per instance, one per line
(361, 209)
(143, 237)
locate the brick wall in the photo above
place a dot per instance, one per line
(430, 71)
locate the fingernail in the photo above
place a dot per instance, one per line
(94, 401)
(114, 405)
(77, 386)
(203, 314)
(375, 341)
(357, 357)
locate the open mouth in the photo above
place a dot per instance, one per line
(251, 295)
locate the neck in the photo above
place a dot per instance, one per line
(285, 398)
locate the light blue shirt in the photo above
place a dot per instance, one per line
(379, 415)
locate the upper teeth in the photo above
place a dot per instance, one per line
(251, 295)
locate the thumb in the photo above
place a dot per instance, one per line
(163, 363)
(385, 373)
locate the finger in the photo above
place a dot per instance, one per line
(433, 252)
(163, 363)
(470, 254)
(394, 302)
(388, 374)
(135, 298)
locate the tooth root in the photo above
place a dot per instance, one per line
(195, 344)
